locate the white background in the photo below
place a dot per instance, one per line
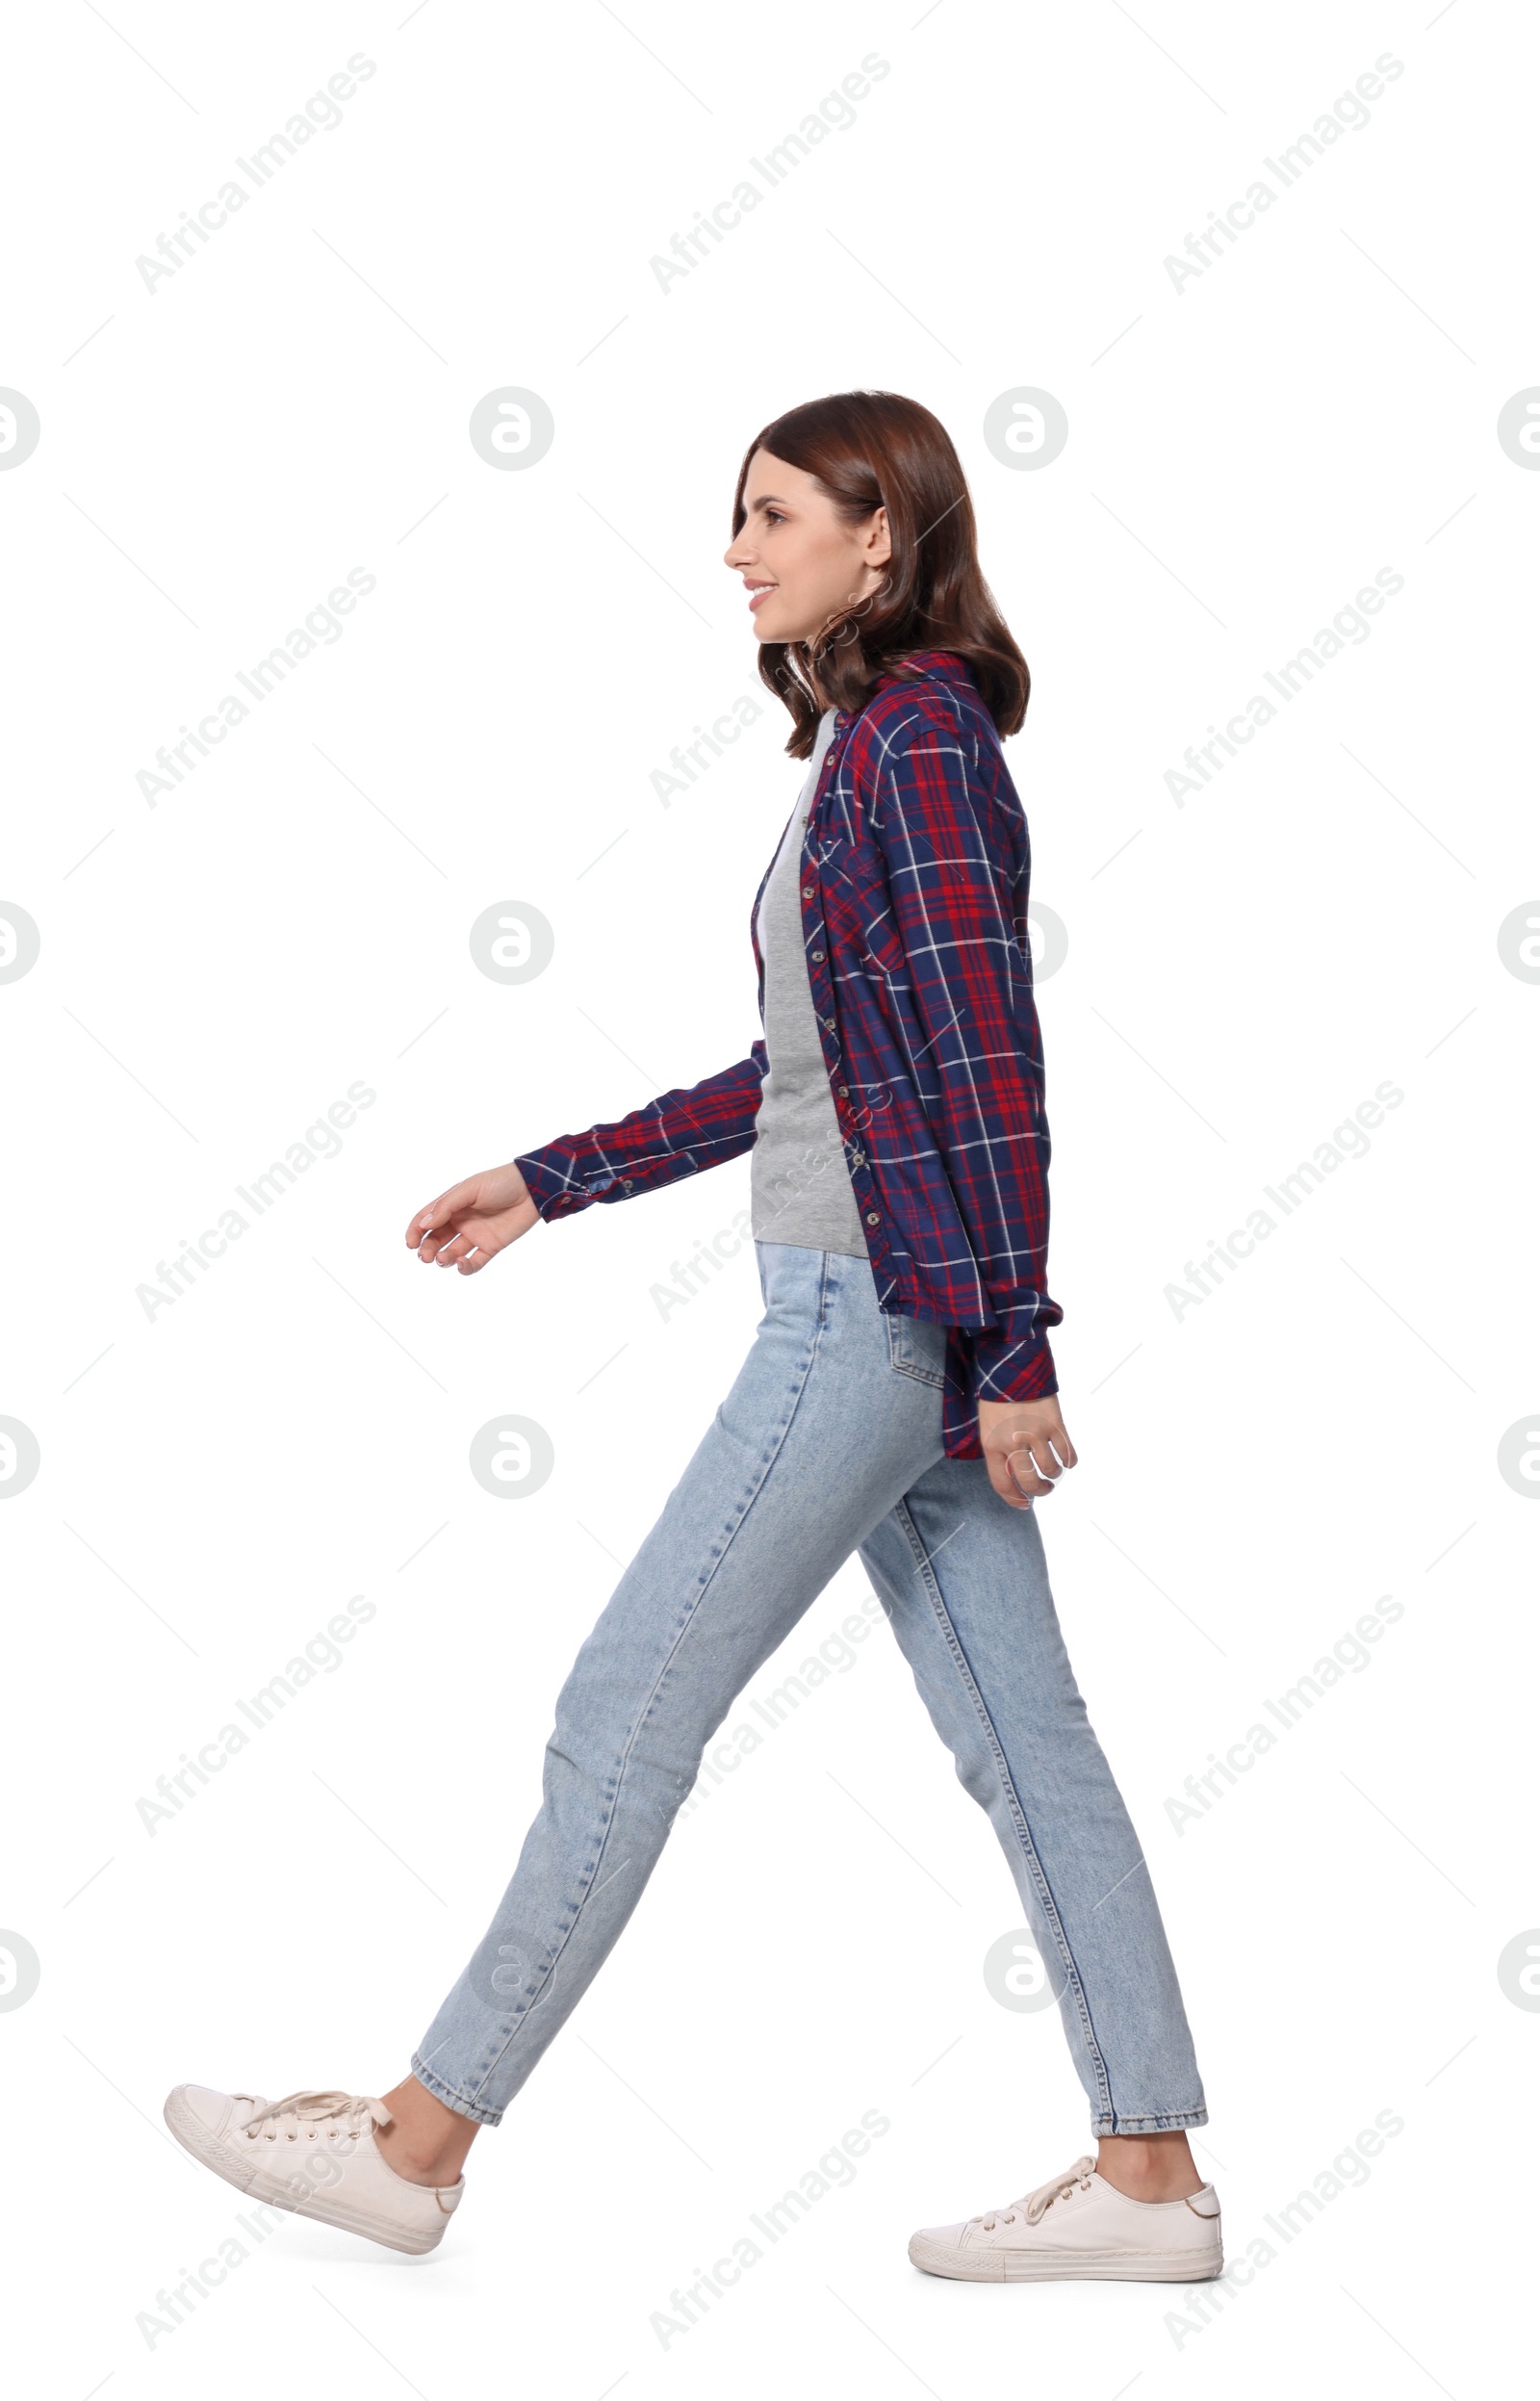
(1245, 454)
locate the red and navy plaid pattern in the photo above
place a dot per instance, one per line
(914, 874)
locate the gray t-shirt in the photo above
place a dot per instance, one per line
(799, 1185)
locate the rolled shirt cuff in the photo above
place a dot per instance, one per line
(1010, 1367)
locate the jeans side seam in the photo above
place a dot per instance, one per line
(1002, 1767)
(607, 1816)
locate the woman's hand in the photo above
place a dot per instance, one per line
(1026, 1447)
(472, 1221)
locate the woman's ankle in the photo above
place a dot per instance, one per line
(426, 2141)
(1148, 2167)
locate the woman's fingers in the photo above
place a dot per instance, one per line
(424, 1222)
(440, 1213)
(1030, 1473)
(466, 1226)
(472, 1248)
(1026, 1448)
(1046, 1456)
(999, 1464)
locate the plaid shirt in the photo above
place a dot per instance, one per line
(914, 874)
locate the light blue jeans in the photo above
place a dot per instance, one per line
(829, 1442)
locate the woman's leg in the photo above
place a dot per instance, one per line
(822, 1433)
(965, 1584)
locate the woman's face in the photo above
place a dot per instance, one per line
(801, 563)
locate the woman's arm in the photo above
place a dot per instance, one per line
(680, 1133)
(950, 858)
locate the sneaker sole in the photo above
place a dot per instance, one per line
(195, 2137)
(1041, 2267)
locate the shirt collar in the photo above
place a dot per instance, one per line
(939, 666)
(936, 666)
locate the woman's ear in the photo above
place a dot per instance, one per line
(879, 542)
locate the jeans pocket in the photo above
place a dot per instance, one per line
(918, 1348)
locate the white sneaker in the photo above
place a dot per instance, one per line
(314, 2154)
(1079, 2225)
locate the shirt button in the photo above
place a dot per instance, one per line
(807, 892)
(844, 1091)
(872, 1218)
(817, 954)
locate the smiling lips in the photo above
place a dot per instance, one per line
(757, 592)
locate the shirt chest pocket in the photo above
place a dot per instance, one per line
(858, 914)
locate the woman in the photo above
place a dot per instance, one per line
(898, 1400)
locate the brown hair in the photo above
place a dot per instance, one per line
(870, 450)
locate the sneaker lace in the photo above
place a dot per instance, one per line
(309, 2113)
(1033, 2205)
